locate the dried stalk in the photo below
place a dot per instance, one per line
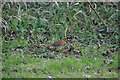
(97, 14)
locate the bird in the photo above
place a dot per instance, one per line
(55, 44)
(60, 43)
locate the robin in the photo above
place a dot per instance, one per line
(53, 46)
(60, 43)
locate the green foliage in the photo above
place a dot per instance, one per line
(28, 24)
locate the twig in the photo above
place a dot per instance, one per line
(97, 14)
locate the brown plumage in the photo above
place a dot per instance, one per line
(60, 43)
(53, 46)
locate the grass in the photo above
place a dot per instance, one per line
(19, 65)
(63, 68)
(29, 24)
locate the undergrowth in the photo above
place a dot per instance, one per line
(92, 36)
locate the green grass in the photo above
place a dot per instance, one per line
(29, 24)
(64, 67)
(20, 65)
